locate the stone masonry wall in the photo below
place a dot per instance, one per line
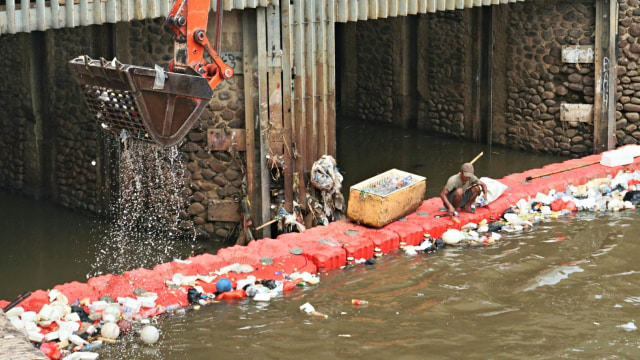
(15, 104)
(76, 148)
(374, 93)
(212, 175)
(441, 64)
(538, 82)
(76, 133)
(628, 86)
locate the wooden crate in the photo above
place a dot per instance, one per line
(370, 206)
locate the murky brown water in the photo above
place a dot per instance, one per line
(558, 291)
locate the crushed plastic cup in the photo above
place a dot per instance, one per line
(308, 308)
(176, 279)
(46, 312)
(130, 304)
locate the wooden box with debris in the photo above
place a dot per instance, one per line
(385, 198)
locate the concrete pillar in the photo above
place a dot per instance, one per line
(35, 83)
(348, 64)
(405, 71)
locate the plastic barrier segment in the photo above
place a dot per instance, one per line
(410, 233)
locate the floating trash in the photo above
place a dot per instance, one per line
(630, 326)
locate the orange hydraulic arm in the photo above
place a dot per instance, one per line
(188, 21)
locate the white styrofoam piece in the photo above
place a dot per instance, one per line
(616, 158)
(261, 297)
(633, 150)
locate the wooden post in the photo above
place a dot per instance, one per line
(311, 111)
(263, 119)
(605, 81)
(249, 65)
(320, 79)
(330, 25)
(488, 33)
(287, 105)
(299, 100)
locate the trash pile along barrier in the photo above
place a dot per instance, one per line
(70, 319)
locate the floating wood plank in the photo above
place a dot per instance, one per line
(574, 54)
(576, 112)
(223, 210)
(224, 139)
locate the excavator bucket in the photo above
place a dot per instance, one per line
(148, 104)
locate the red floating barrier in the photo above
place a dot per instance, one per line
(35, 301)
(353, 242)
(238, 254)
(325, 252)
(410, 233)
(146, 279)
(384, 240)
(172, 298)
(207, 263)
(77, 291)
(269, 248)
(112, 285)
(51, 350)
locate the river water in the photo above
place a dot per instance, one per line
(561, 290)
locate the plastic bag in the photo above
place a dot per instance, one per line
(494, 188)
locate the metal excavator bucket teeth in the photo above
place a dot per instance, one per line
(147, 104)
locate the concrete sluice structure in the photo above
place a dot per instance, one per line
(533, 75)
(317, 250)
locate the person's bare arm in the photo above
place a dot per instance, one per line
(484, 188)
(445, 201)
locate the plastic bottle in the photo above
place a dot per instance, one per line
(359, 302)
(172, 307)
(92, 346)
